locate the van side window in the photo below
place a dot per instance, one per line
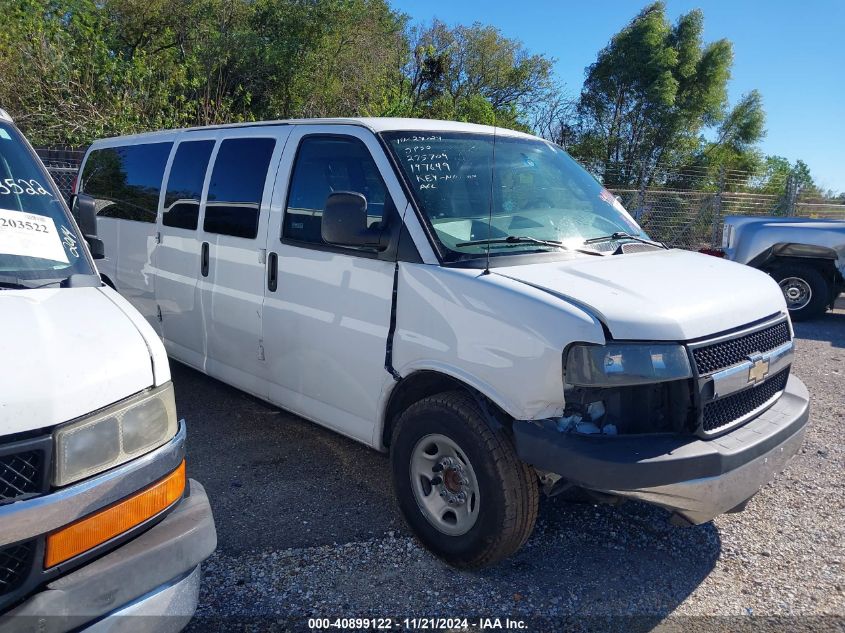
(325, 164)
(126, 181)
(237, 185)
(184, 184)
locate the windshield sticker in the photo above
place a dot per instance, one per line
(30, 235)
(69, 241)
(613, 201)
(610, 199)
(5, 135)
(21, 186)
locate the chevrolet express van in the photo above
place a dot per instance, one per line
(97, 519)
(469, 299)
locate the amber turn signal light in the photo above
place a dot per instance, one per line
(101, 526)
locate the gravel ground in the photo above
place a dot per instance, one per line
(308, 527)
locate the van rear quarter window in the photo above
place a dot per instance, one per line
(237, 186)
(126, 180)
(184, 184)
(324, 165)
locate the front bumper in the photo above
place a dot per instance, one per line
(155, 574)
(698, 479)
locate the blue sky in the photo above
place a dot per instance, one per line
(792, 52)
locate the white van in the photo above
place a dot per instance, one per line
(97, 519)
(468, 298)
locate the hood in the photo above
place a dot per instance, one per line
(658, 295)
(65, 352)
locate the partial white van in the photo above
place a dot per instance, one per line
(469, 299)
(97, 519)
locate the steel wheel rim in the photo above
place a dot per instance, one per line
(444, 484)
(797, 292)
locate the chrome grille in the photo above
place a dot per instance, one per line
(730, 409)
(710, 358)
(15, 565)
(21, 474)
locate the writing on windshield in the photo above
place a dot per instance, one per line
(472, 189)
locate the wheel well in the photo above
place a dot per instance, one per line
(824, 265)
(422, 384)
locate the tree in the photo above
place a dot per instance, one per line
(778, 174)
(651, 94)
(473, 73)
(54, 68)
(93, 68)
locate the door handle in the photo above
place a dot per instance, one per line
(272, 272)
(204, 259)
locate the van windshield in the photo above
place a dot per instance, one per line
(39, 244)
(539, 193)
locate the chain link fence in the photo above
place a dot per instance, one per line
(684, 208)
(63, 165)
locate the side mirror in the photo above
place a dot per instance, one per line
(345, 222)
(84, 209)
(96, 246)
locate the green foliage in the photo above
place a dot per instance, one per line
(75, 70)
(473, 73)
(82, 69)
(653, 92)
(777, 174)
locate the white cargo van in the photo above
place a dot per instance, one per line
(469, 299)
(97, 519)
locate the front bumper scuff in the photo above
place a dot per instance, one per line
(696, 478)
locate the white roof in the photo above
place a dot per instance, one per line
(5, 115)
(375, 124)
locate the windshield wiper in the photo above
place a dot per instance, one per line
(524, 239)
(621, 235)
(14, 283)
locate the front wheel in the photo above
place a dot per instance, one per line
(806, 292)
(460, 485)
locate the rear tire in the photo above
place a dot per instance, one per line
(443, 448)
(805, 289)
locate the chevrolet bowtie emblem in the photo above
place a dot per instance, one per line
(758, 371)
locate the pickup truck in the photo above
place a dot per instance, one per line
(805, 256)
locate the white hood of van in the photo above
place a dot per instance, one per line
(659, 295)
(65, 352)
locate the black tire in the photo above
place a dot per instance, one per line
(807, 278)
(508, 491)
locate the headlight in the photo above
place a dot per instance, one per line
(114, 435)
(620, 364)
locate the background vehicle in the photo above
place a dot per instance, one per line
(469, 299)
(806, 257)
(97, 518)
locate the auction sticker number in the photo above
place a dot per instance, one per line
(21, 186)
(30, 235)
